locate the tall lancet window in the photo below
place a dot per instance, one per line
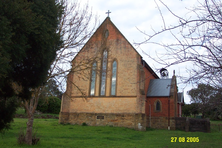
(113, 80)
(93, 80)
(103, 77)
(157, 106)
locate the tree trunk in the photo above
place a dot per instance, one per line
(28, 136)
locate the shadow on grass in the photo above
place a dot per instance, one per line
(150, 129)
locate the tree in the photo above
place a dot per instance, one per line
(50, 104)
(7, 111)
(29, 45)
(14, 19)
(197, 39)
(190, 109)
(194, 110)
(186, 110)
(204, 95)
(74, 29)
(23, 41)
(51, 89)
(215, 103)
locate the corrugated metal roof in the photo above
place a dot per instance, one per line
(159, 88)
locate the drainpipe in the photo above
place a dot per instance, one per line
(150, 115)
(168, 113)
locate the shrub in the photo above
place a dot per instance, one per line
(8, 108)
(54, 105)
(49, 105)
(84, 124)
(21, 137)
(43, 105)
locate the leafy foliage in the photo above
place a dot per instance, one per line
(21, 138)
(49, 101)
(208, 99)
(49, 105)
(28, 45)
(7, 110)
(51, 89)
(190, 109)
(54, 105)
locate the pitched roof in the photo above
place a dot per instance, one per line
(159, 88)
(108, 20)
(149, 68)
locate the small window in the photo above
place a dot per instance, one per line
(93, 80)
(113, 80)
(106, 34)
(142, 82)
(158, 106)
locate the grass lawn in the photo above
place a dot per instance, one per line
(56, 135)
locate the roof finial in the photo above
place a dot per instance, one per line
(108, 13)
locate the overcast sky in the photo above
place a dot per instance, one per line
(128, 15)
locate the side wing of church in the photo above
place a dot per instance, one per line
(108, 83)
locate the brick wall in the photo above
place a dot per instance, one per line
(104, 105)
(79, 105)
(118, 49)
(134, 121)
(160, 122)
(192, 125)
(164, 107)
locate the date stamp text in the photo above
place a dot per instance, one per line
(185, 139)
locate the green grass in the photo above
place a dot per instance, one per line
(56, 135)
(216, 122)
(216, 126)
(21, 111)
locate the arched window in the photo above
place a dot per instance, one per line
(103, 76)
(113, 80)
(93, 80)
(158, 105)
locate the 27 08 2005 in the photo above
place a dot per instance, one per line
(185, 139)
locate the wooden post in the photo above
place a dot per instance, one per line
(187, 125)
(208, 125)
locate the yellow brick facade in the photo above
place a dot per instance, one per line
(127, 107)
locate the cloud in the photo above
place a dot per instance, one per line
(144, 14)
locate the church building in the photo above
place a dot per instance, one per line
(110, 84)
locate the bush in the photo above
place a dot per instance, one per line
(8, 108)
(43, 105)
(49, 105)
(54, 105)
(84, 124)
(21, 137)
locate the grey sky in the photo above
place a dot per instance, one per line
(128, 15)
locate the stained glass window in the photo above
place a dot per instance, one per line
(113, 83)
(103, 77)
(93, 80)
